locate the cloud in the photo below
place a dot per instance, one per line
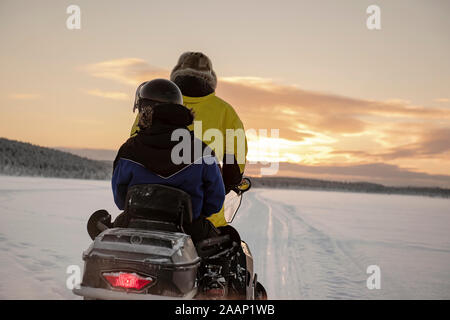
(264, 104)
(443, 100)
(130, 71)
(251, 94)
(264, 93)
(24, 96)
(108, 94)
(341, 124)
(431, 144)
(353, 153)
(323, 127)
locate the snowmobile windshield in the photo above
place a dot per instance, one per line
(231, 205)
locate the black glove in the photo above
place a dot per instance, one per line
(101, 216)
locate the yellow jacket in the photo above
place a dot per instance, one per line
(215, 113)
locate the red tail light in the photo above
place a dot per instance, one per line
(216, 292)
(127, 280)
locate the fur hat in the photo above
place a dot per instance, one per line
(195, 64)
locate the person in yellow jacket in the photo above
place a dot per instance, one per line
(195, 77)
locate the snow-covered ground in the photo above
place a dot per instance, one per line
(306, 244)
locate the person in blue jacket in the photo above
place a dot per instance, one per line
(147, 157)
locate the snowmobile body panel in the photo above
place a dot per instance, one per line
(150, 257)
(250, 277)
(90, 293)
(169, 258)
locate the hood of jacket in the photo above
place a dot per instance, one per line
(193, 86)
(152, 147)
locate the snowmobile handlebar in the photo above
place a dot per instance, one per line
(242, 187)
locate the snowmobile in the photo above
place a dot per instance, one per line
(153, 258)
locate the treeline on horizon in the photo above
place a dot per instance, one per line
(24, 159)
(366, 187)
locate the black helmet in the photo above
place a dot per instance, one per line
(157, 91)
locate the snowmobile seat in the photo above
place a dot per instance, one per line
(158, 207)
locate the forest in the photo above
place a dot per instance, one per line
(24, 159)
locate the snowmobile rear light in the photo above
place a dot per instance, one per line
(127, 280)
(216, 292)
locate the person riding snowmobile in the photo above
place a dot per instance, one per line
(197, 80)
(145, 158)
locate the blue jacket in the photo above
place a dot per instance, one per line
(203, 182)
(147, 159)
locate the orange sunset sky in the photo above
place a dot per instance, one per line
(350, 103)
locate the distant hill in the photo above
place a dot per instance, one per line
(377, 173)
(24, 159)
(94, 154)
(366, 187)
